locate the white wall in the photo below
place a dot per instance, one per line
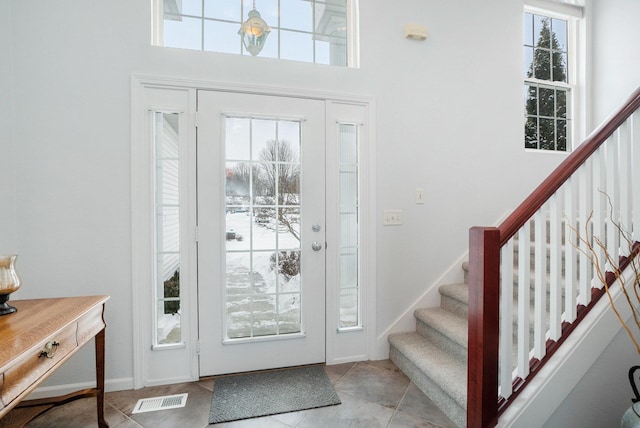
(616, 54)
(8, 243)
(449, 121)
(604, 393)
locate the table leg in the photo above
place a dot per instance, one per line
(100, 354)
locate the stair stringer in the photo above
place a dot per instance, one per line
(430, 298)
(547, 391)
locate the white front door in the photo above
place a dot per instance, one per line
(261, 231)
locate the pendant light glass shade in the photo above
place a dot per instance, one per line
(254, 32)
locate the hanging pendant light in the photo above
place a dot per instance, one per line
(254, 32)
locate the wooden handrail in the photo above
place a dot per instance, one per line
(484, 278)
(566, 169)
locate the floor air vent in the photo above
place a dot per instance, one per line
(160, 403)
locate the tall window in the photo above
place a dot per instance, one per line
(349, 226)
(317, 31)
(167, 207)
(548, 82)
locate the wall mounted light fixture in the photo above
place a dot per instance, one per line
(415, 32)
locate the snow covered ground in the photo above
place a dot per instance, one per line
(259, 300)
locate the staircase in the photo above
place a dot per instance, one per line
(434, 357)
(526, 290)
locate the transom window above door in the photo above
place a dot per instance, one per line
(316, 31)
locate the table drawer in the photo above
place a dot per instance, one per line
(31, 368)
(89, 325)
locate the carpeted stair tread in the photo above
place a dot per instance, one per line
(465, 270)
(455, 298)
(449, 372)
(459, 292)
(438, 373)
(450, 325)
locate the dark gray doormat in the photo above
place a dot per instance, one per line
(270, 393)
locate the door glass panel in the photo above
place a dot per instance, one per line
(167, 207)
(262, 132)
(289, 131)
(349, 229)
(238, 137)
(262, 219)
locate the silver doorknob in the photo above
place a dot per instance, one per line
(316, 228)
(316, 246)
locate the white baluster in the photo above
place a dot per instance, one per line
(600, 209)
(585, 271)
(635, 173)
(540, 291)
(555, 268)
(625, 185)
(612, 191)
(524, 299)
(570, 278)
(506, 312)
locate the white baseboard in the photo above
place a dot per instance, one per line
(430, 298)
(170, 381)
(350, 359)
(55, 390)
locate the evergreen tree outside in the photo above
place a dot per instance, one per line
(172, 289)
(546, 121)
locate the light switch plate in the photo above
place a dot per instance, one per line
(392, 218)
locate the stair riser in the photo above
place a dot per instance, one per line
(456, 306)
(439, 339)
(455, 411)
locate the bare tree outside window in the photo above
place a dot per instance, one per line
(280, 174)
(276, 185)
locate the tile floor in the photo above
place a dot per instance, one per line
(373, 394)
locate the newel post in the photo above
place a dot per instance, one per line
(484, 307)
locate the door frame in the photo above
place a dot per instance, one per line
(150, 367)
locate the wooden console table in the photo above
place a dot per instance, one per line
(37, 340)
